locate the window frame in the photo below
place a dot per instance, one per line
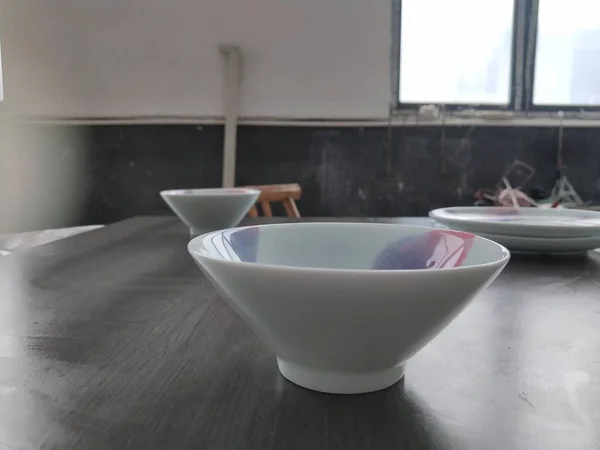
(522, 75)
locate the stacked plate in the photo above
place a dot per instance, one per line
(527, 230)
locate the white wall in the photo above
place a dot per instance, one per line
(107, 58)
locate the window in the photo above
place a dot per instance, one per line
(567, 61)
(437, 63)
(516, 55)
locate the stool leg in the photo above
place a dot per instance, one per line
(266, 207)
(253, 212)
(290, 208)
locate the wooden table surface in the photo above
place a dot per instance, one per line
(113, 339)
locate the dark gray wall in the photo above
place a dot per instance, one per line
(343, 171)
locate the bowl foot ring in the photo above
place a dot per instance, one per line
(339, 382)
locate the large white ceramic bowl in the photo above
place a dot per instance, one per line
(345, 305)
(205, 210)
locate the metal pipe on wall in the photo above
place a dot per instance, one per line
(232, 91)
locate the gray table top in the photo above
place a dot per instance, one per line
(113, 339)
(10, 243)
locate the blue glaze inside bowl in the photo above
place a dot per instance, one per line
(349, 246)
(433, 250)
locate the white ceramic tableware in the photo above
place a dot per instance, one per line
(345, 305)
(532, 222)
(528, 244)
(205, 210)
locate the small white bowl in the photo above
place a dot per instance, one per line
(205, 210)
(345, 305)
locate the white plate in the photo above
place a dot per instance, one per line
(544, 245)
(532, 222)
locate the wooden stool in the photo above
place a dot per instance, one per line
(285, 193)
